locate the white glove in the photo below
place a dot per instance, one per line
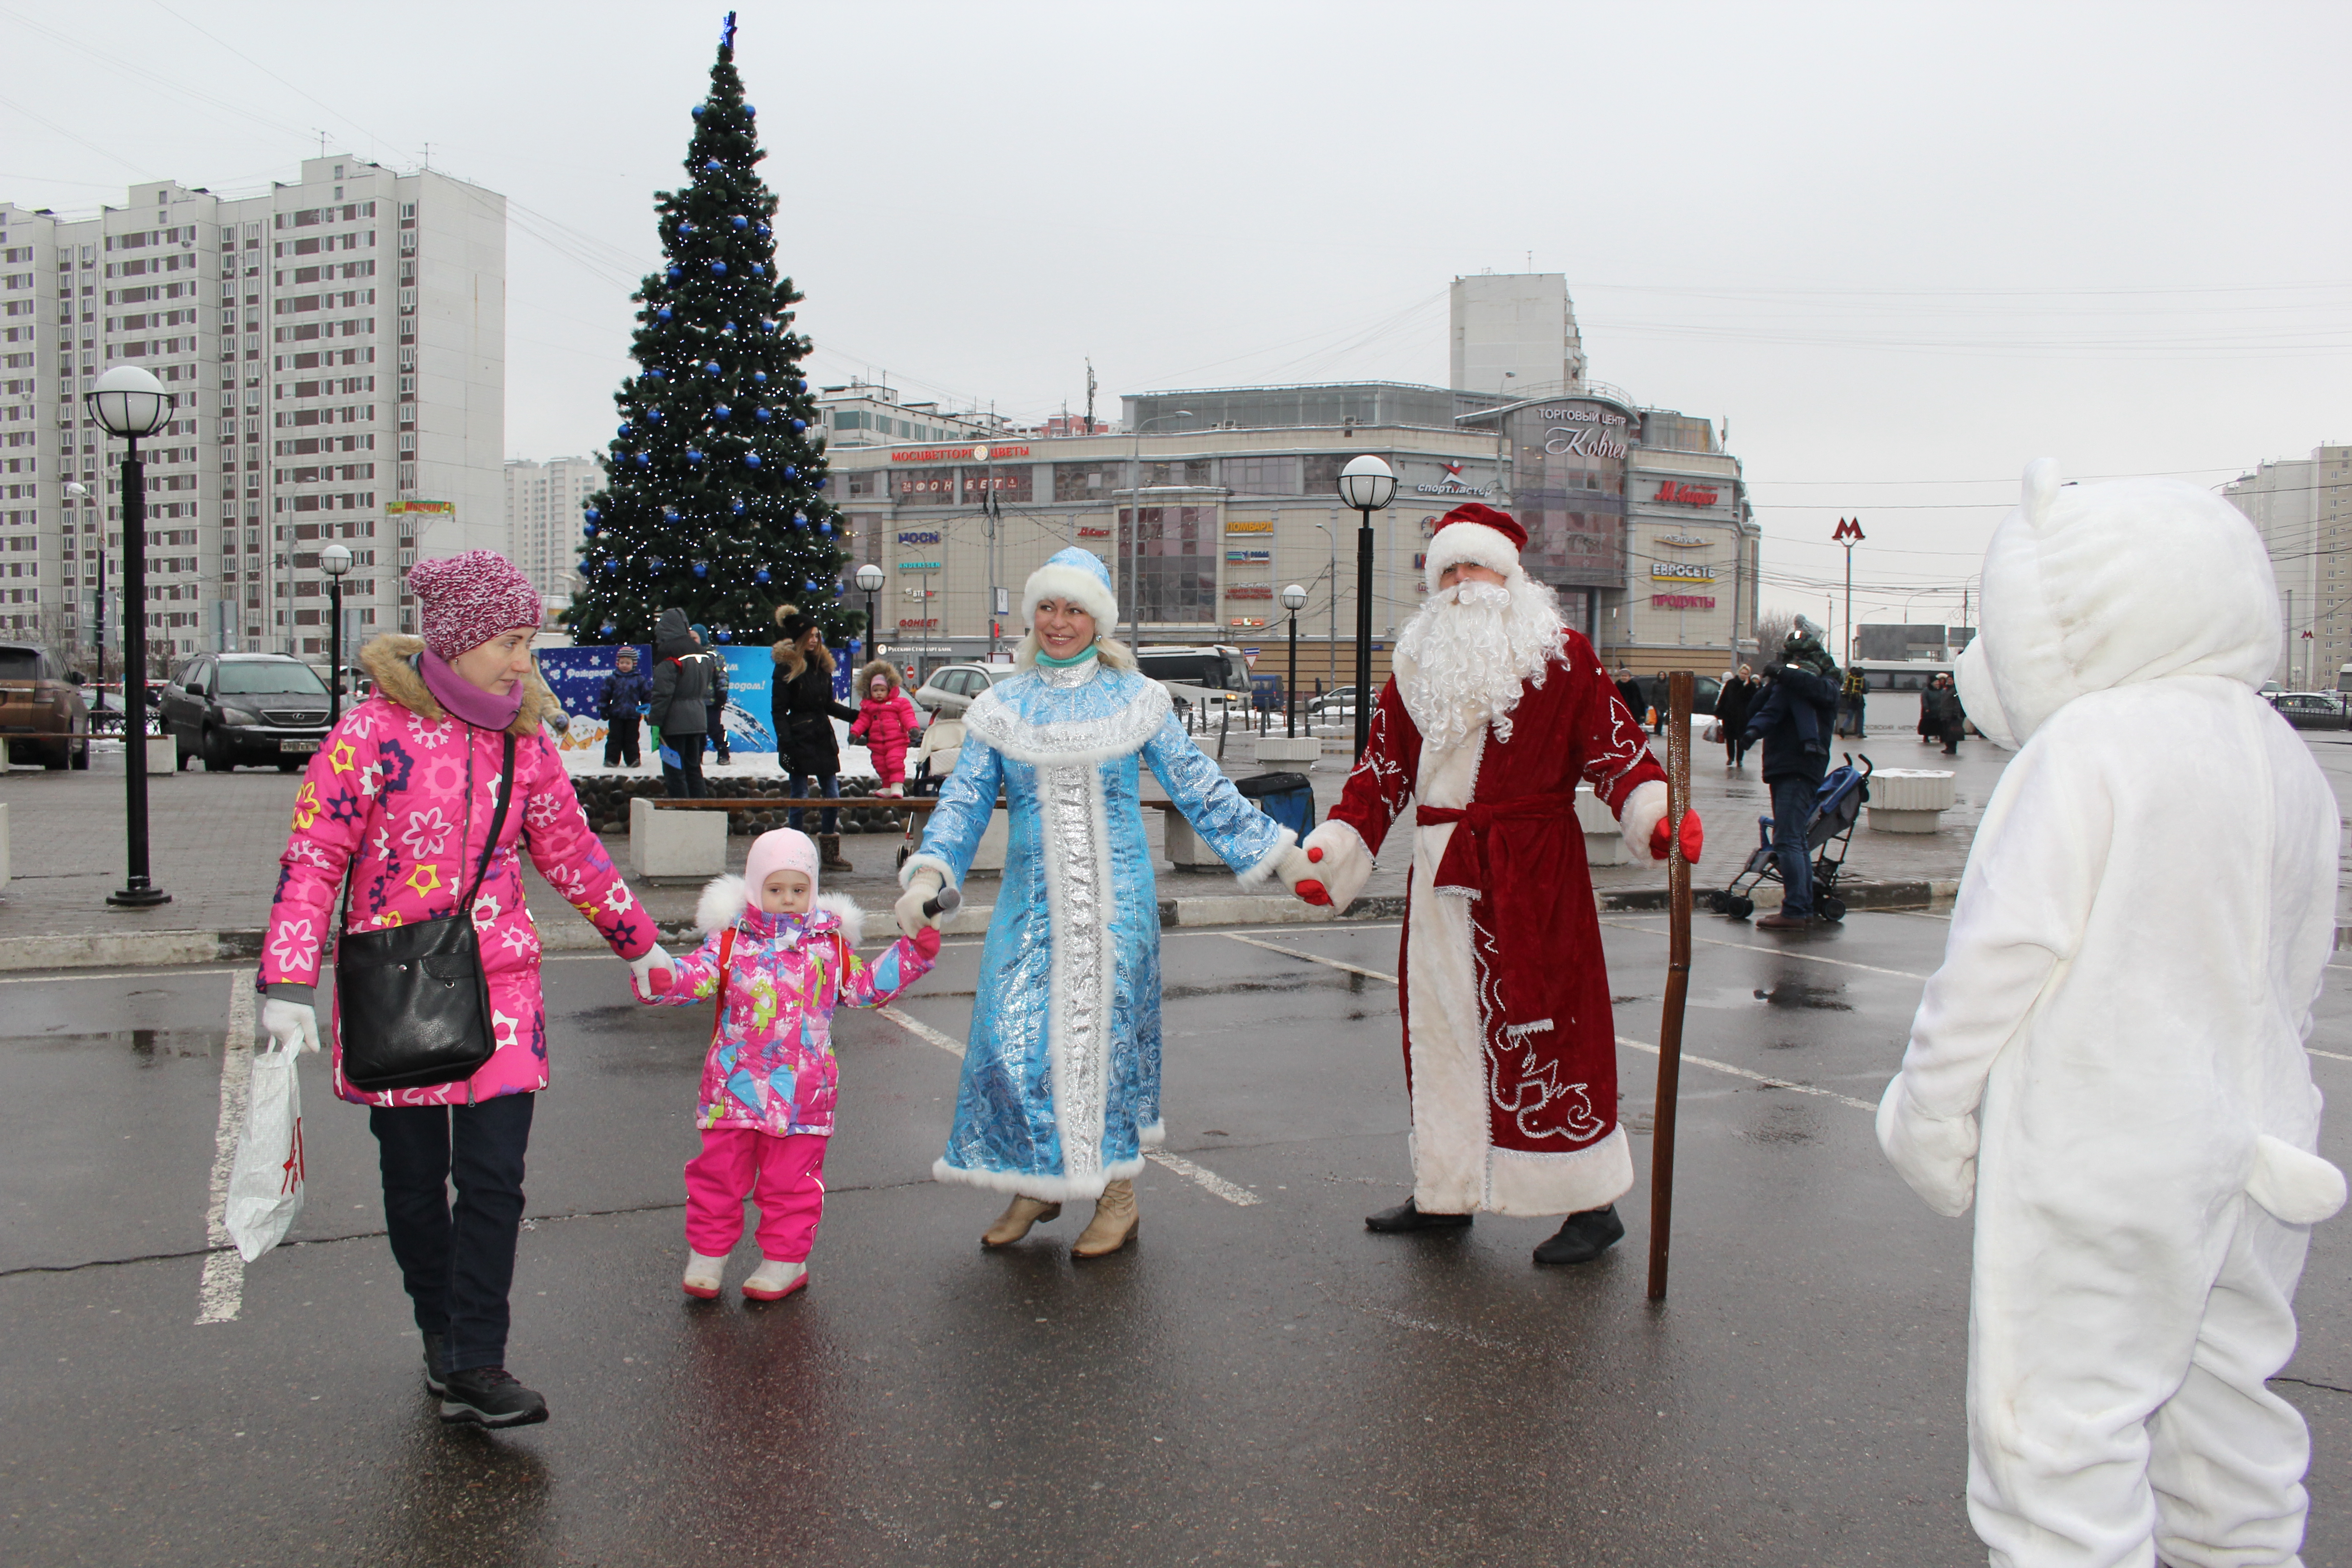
(291, 1026)
(922, 887)
(643, 969)
(1937, 1155)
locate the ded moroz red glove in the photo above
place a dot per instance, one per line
(1693, 838)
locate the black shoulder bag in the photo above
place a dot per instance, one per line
(414, 1005)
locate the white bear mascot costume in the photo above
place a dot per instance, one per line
(2110, 1061)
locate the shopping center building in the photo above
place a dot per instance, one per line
(1636, 515)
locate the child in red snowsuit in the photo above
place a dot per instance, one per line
(887, 723)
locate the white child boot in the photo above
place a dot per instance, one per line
(772, 1280)
(703, 1274)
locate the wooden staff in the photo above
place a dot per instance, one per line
(1679, 957)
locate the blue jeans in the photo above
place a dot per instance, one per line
(456, 1261)
(1793, 807)
(829, 786)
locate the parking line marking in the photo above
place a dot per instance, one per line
(220, 1294)
(1311, 957)
(165, 972)
(2331, 1055)
(1781, 952)
(1229, 1192)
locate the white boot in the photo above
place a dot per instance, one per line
(772, 1280)
(703, 1274)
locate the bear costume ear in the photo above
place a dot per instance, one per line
(2040, 488)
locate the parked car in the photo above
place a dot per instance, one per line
(1336, 706)
(950, 687)
(42, 718)
(251, 708)
(2313, 709)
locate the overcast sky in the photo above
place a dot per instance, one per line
(1900, 248)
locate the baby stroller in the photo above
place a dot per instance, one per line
(1837, 806)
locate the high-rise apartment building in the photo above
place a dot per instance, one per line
(1514, 333)
(2303, 508)
(543, 506)
(336, 346)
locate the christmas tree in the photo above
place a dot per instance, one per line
(714, 501)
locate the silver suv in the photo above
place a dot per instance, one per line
(950, 687)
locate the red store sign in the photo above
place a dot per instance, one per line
(1682, 601)
(1677, 494)
(953, 454)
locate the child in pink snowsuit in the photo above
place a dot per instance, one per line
(885, 722)
(780, 959)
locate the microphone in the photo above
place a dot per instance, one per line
(946, 901)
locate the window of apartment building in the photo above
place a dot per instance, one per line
(1175, 573)
(1084, 481)
(1011, 482)
(1262, 475)
(1322, 473)
(1190, 471)
(865, 482)
(927, 486)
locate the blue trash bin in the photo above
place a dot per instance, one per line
(1289, 798)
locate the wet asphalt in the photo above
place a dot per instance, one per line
(1258, 1382)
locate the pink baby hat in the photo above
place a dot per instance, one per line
(783, 850)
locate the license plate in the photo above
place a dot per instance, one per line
(298, 745)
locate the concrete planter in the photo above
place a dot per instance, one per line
(1287, 750)
(1909, 800)
(1604, 844)
(682, 845)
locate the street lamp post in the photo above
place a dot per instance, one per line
(1135, 533)
(1294, 599)
(1367, 485)
(869, 579)
(335, 561)
(129, 403)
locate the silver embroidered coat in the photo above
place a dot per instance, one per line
(1061, 1076)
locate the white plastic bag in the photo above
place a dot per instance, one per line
(265, 1190)
(1713, 734)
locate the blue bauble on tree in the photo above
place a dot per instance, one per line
(751, 460)
(684, 226)
(739, 509)
(653, 416)
(692, 456)
(760, 576)
(612, 565)
(758, 378)
(699, 110)
(702, 568)
(723, 412)
(643, 461)
(623, 432)
(655, 564)
(592, 515)
(674, 272)
(825, 529)
(765, 232)
(762, 416)
(800, 519)
(791, 472)
(662, 314)
(718, 269)
(750, 112)
(798, 424)
(742, 222)
(758, 270)
(711, 165)
(726, 636)
(669, 514)
(710, 368)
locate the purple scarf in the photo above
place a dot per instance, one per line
(464, 699)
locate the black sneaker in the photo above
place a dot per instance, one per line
(1405, 1218)
(1582, 1237)
(489, 1396)
(436, 1364)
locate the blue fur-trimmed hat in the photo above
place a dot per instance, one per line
(1079, 576)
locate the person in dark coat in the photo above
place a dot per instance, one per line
(803, 709)
(1629, 689)
(681, 705)
(1795, 722)
(1733, 703)
(1941, 717)
(620, 702)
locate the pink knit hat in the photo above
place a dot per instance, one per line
(784, 850)
(464, 600)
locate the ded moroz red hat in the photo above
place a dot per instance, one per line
(1477, 533)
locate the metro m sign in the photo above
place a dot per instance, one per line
(1848, 531)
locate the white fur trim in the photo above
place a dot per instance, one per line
(1151, 1137)
(1450, 1142)
(1534, 1186)
(926, 860)
(991, 722)
(1474, 543)
(1640, 816)
(1050, 1189)
(2293, 1184)
(1347, 864)
(1252, 875)
(725, 898)
(843, 907)
(1051, 581)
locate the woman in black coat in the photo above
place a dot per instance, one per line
(1733, 703)
(802, 707)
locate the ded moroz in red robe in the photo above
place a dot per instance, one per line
(1510, 1047)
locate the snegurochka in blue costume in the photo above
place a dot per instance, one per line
(1060, 1095)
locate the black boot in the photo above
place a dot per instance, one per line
(436, 1364)
(1404, 1218)
(1582, 1237)
(489, 1396)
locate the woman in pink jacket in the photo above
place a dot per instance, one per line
(885, 722)
(399, 799)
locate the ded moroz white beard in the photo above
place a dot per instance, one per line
(1461, 661)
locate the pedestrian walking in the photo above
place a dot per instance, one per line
(621, 703)
(415, 810)
(1629, 691)
(1795, 722)
(1060, 1090)
(2110, 1067)
(803, 708)
(1855, 696)
(714, 706)
(680, 706)
(780, 957)
(885, 724)
(1733, 703)
(1497, 713)
(1944, 718)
